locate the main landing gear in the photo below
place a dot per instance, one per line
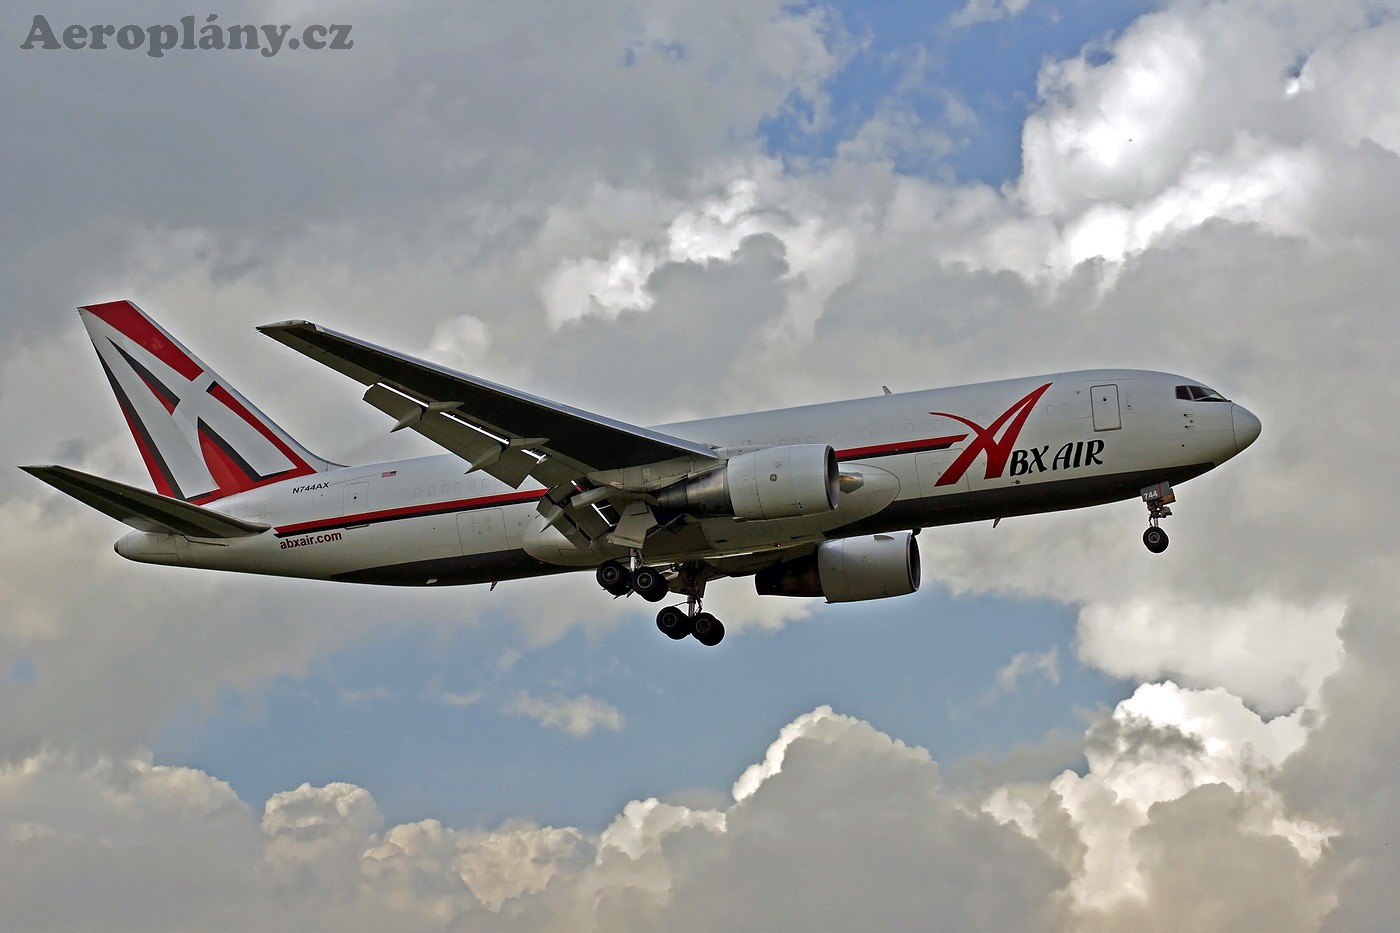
(647, 582)
(1158, 498)
(675, 622)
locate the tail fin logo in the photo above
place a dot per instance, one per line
(997, 448)
(199, 438)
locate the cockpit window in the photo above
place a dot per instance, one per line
(1199, 394)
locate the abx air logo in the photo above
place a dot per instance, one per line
(198, 439)
(996, 440)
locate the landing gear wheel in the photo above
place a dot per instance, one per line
(709, 631)
(673, 622)
(650, 584)
(614, 577)
(1159, 499)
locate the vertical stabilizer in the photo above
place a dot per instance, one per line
(200, 439)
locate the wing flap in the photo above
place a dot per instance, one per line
(143, 510)
(508, 464)
(578, 440)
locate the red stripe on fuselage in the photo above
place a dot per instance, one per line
(901, 447)
(532, 495)
(410, 511)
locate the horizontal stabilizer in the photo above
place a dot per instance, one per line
(143, 510)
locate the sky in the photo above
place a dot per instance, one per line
(671, 210)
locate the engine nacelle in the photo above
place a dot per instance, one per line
(848, 570)
(776, 482)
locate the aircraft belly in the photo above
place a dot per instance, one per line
(453, 571)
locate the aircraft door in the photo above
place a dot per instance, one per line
(1107, 416)
(356, 498)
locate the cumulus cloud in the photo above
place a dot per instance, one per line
(816, 258)
(1220, 645)
(847, 814)
(1157, 748)
(1174, 818)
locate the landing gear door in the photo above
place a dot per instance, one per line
(1107, 417)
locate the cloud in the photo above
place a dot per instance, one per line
(1157, 748)
(1345, 772)
(371, 695)
(461, 699)
(1219, 645)
(1026, 664)
(1176, 817)
(1205, 192)
(578, 716)
(986, 11)
(850, 813)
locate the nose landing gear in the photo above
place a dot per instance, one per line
(1158, 499)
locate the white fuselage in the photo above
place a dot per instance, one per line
(925, 458)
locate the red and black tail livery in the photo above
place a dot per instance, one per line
(200, 439)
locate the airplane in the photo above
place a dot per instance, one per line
(819, 501)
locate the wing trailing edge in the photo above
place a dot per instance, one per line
(506, 432)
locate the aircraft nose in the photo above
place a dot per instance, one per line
(1247, 426)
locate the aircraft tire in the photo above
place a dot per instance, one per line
(614, 577)
(709, 631)
(673, 622)
(1155, 539)
(650, 584)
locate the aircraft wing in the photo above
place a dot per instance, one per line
(509, 434)
(142, 510)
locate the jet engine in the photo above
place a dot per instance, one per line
(848, 570)
(776, 482)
